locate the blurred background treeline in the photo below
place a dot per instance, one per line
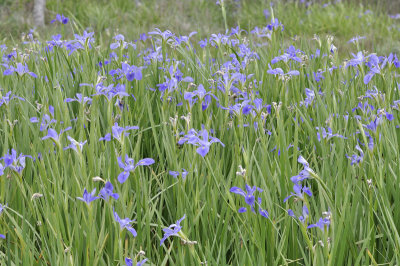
(344, 19)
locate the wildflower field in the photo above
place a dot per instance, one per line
(258, 145)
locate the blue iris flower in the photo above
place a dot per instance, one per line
(130, 166)
(172, 230)
(88, 197)
(250, 199)
(200, 139)
(107, 191)
(125, 223)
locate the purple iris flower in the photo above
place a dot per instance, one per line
(279, 71)
(322, 222)
(203, 43)
(255, 108)
(165, 35)
(60, 18)
(107, 191)
(200, 94)
(171, 83)
(200, 139)
(88, 197)
(310, 95)
(357, 59)
(247, 55)
(154, 54)
(46, 121)
(73, 46)
(175, 174)
(176, 41)
(107, 137)
(263, 213)
(85, 38)
(396, 16)
(356, 159)
(2, 207)
(118, 38)
(356, 39)
(216, 40)
(276, 71)
(391, 59)
(79, 99)
(318, 76)
(120, 41)
(56, 41)
(118, 132)
(247, 109)
(305, 173)
(1, 210)
(396, 104)
(130, 166)
(8, 97)
(290, 54)
(9, 57)
(299, 192)
(291, 213)
(326, 134)
(143, 37)
(368, 135)
(275, 24)
(371, 74)
(293, 73)
(365, 108)
(125, 223)
(172, 230)
(75, 145)
(51, 133)
(129, 262)
(373, 60)
(131, 72)
(111, 91)
(20, 70)
(140, 263)
(238, 108)
(80, 42)
(16, 164)
(389, 116)
(249, 199)
(303, 217)
(373, 125)
(261, 33)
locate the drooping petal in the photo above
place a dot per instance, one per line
(122, 177)
(146, 161)
(238, 190)
(203, 150)
(132, 231)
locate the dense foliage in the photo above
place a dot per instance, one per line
(243, 148)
